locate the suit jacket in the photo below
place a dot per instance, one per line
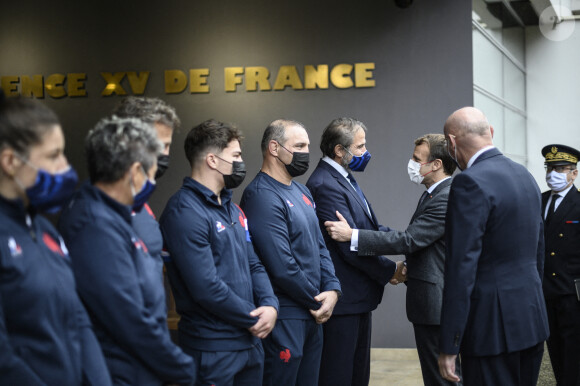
(562, 238)
(424, 247)
(362, 280)
(492, 300)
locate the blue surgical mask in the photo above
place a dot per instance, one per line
(51, 191)
(358, 163)
(141, 198)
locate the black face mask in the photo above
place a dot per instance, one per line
(234, 180)
(299, 164)
(162, 165)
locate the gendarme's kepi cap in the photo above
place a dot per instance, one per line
(560, 155)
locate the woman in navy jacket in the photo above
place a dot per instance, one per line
(117, 279)
(46, 337)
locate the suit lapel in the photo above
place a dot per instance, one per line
(429, 197)
(565, 206)
(341, 180)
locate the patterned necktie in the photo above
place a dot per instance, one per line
(551, 209)
(356, 187)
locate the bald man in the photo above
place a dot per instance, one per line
(493, 308)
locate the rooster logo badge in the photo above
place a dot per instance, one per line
(285, 355)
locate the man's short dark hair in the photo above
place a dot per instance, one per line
(438, 150)
(277, 131)
(209, 136)
(339, 132)
(150, 110)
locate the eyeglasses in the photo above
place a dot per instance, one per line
(557, 169)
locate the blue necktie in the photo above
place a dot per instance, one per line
(357, 188)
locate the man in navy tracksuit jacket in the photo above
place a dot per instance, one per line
(285, 232)
(117, 279)
(221, 289)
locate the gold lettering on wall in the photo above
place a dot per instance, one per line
(255, 78)
(113, 83)
(232, 78)
(288, 76)
(138, 82)
(340, 76)
(32, 86)
(76, 84)
(54, 85)
(363, 75)
(198, 80)
(175, 81)
(316, 77)
(10, 85)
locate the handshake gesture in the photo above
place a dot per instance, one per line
(342, 232)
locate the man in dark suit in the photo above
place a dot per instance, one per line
(347, 335)
(561, 210)
(423, 244)
(493, 307)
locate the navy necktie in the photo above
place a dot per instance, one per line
(356, 187)
(423, 197)
(551, 209)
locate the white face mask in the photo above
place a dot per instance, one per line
(557, 181)
(414, 170)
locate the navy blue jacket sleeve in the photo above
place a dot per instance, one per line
(263, 293)
(14, 370)
(467, 214)
(187, 238)
(328, 279)
(269, 230)
(94, 367)
(108, 283)
(330, 199)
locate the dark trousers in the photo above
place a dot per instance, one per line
(427, 340)
(292, 353)
(564, 340)
(229, 368)
(346, 355)
(518, 368)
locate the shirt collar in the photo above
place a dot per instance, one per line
(432, 187)
(335, 165)
(564, 192)
(210, 196)
(476, 155)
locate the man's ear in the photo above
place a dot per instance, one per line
(438, 164)
(211, 161)
(273, 148)
(9, 161)
(339, 150)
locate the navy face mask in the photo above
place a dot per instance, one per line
(141, 198)
(358, 163)
(51, 191)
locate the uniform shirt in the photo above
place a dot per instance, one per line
(121, 285)
(216, 277)
(285, 232)
(45, 334)
(147, 229)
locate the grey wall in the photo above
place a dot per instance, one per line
(553, 93)
(423, 72)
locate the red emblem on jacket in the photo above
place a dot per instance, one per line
(52, 244)
(307, 200)
(285, 355)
